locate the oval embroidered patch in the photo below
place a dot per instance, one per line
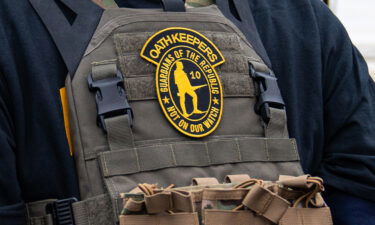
(187, 85)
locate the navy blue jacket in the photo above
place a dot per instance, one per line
(329, 95)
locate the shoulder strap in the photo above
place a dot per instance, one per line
(173, 5)
(244, 20)
(71, 23)
(270, 104)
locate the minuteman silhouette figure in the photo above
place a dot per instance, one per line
(184, 87)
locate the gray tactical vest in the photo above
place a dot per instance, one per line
(126, 129)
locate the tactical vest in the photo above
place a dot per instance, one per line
(163, 97)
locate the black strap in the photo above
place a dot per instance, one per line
(173, 5)
(245, 23)
(71, 24)
(239, 12)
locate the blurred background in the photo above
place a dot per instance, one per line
(358, 16)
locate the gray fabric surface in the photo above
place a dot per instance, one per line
(277, 126)
(197, 154)
(119, 132)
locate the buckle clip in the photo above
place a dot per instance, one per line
(62, 211)
(110, 98)
(269, 93)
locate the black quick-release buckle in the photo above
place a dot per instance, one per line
(269, 93)
(110, 98)
(62, 211)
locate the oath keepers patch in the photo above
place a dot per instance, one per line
(187, 85)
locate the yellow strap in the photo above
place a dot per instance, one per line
(65, 109)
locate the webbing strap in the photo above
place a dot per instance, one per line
(118, 127)
(173, 5)
(104, 69)
(266, 203)
(277, 126)
(208, 153)
(119, 132)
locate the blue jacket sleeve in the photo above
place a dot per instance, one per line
(348, 164)
(349, 111)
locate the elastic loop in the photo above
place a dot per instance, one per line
(237, 178)
(204, 181)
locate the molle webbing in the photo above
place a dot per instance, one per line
(237, 150)
(118, 127)
(253, 201)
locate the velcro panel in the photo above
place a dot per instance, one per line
(129, 45)
(226, 41)
(139, 73)
(208, 153)
(132, 65)
(146, 92)
(234, 63)
(133, 42)
(234, 85)
(130, 42)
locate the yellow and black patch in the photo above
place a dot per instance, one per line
(187, 85)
